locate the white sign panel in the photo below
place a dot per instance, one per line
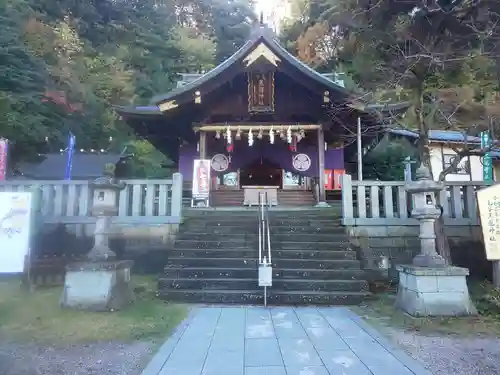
(15, 220)
(265, 275)
(489, 210)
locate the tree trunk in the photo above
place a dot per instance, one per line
(423, 130)
(442, 243)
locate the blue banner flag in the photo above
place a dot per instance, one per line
(70, 151)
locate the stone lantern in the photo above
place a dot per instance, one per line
(424, 191)
(428, 286)
(104, 205)
(101, 283)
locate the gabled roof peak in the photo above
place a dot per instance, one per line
(262, 31)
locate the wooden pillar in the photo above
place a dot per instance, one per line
(203, 145)
(321, 166)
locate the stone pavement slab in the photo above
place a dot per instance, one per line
(279, 341)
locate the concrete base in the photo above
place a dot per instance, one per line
(322, 205)
(425, 291)
(100, 286)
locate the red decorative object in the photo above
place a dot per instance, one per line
(230, 147)
(337, 173)
(328, 179)
(293, 146)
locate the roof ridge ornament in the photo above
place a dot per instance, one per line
(264, 51)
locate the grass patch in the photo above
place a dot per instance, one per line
(38, 316)
(381, 313)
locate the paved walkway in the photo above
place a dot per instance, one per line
(278, 341)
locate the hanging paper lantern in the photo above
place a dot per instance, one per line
(261, 134)
(289, 135)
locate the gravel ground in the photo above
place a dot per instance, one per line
(108, 358)
(452, 355)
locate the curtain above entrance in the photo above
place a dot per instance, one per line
(278, 154)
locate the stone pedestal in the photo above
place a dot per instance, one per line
(98, 286)
(428, 291)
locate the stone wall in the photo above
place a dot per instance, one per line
(400, 244)
(146, 244)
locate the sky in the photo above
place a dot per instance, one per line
(268, 7)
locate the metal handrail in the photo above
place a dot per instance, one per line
(261, 228)
(268, 231)
(264, 231)
(265, 266)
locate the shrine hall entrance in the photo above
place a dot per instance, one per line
(261, 172)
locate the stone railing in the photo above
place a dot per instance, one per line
(388, 203)
(141, 202)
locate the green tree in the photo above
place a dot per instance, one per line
(388, 163)
(65, 64)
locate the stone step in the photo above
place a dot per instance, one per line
(305, 221)
(330, 264)
(275, 237)
(201, 236)
(314, 254)
(274, 213)
(214, 262)
(309, 229)
(248, 214)
(317, 298)
(257, 297)
(214, 244)
(252, 253)
(320, 274)
(239, 221)
(252, 242)
(209, 272)
(253, 229)
(281, 264)
(304, 245)
(246, 273)
(278, 285)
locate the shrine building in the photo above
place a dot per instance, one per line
(264, 120)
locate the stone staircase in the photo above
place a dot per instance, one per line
(226, 198)
(287, 198)
(296, 198)
(214, 260)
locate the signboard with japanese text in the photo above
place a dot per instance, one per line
(15, 230)
(489, 210)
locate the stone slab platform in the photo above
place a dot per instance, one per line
(279, 341)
